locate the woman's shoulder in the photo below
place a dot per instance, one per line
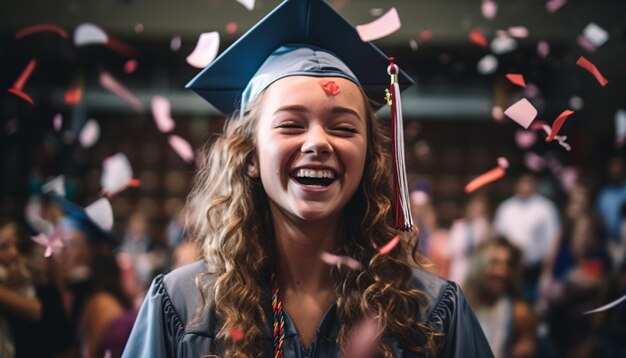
(443, 297)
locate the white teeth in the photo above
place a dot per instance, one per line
(312, 173)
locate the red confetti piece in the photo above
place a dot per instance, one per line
(73, 96)
(390, 245)
(330, 87)
(21, 81)
(426, 35)
(236, 334)
(558, 122)
(478, 38)
(40, 28)
(121, 47)
(516, 79)
(130, 66)
(584, 63)
(231, 28)
(134, 183)
(488, 177)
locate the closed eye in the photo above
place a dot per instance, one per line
(347, 129)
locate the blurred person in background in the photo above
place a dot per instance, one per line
(531, 222)
(467, 234)
(611, 198)
(492, 288)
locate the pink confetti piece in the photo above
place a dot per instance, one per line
(543, 48)
(558, 122)
(57, 122)
(161, 114)
(139, 28)
(73, 96)
(52, 243)
(205, 51)
(560, 139)
(489, 9)
(497, 113)
(110, 83)
(236, 334)
(516, 79)
(330, 87)
(534, 162)
(520, 32)
(487, 65)
(364, 338)
(231, 28)
(40, 28)
(18, 85)
(89, 34)
(335, 260)
(586, 44)
(121, 47)
(522, 112)
(390, 245)
(413, 44)
(130, 66)
(248, 4)
(101, 213)
(553, 5)
(607, 306)
(117, 174)
(525, 139)
(595, 34)
(181, 147)
(56, 185)
(175, 43)
(477, 37)
(489, 176)
(620, 128)
(584, 63)
(569, 178)
(89, 134)
(381, 27)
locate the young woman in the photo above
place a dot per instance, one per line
(302, 170)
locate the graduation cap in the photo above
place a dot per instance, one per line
(94, 221)
(308, 37)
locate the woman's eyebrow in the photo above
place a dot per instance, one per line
(303, 109)
(345, 110)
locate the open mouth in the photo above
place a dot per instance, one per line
(314, 177)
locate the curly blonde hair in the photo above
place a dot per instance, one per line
(229, 217)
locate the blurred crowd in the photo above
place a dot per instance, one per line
(531, 269)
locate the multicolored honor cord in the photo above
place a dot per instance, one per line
(404, 220)
(279, 320)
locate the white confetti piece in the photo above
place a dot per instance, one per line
(89, 134)
(161, 113)
(381, 27)
(101, 213)
(116, 174)
(205, 51)
(487, 65)
(518, 31)
(89, 34)
(522, 112)
(56, 185)
(608, 306)
(182, 148)
(489, 9)
(595, 34)
(248, 4)
(503, 44)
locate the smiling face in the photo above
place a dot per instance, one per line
(311, 147)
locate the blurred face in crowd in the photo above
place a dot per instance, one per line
(498, 271)
(77, 252)
(526, 186)
(583, 238)
(476, 208)
(9, 255)
(615, 170)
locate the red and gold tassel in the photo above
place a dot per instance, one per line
(404, 220)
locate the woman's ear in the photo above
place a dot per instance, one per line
(253, 168)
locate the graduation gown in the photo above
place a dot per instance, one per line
(168, 325)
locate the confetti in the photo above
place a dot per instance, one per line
(576, 103)
(487, 65)
(73, 96)
(525, 139)
(330, 87)
(419, 197)
(534, 162)
(584, 63)
(89, 34)
(497, 113)
(340, 260)
(364, 338)
(558, 122)
(139, 28)
(205, 51)
(130, 66)
(553, 5)
(40, 28)
(52, 243)
(595, 34)
(110, 83)
(568, 178)
(101, 213)
(236, 333)
(248, 4)
(161, 114)
(175, 43)
(478, 38)
(543, 48)
(231, 28)
(426, 35)
(381, 27)
(516, 79)
(89, 134)
(57, 122)
(586, 44)
(620, 128)
(18, 85)
(518, 31)
(489, 9)
(488, 177)
(503, 44)
(560, 139)
(117, 174)
(121, 47)
(522, 112)
(607, 306)
(413, 44)
(181, 147)
(390, 245)
(56, 185)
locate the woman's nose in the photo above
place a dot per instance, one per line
(316, 141)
